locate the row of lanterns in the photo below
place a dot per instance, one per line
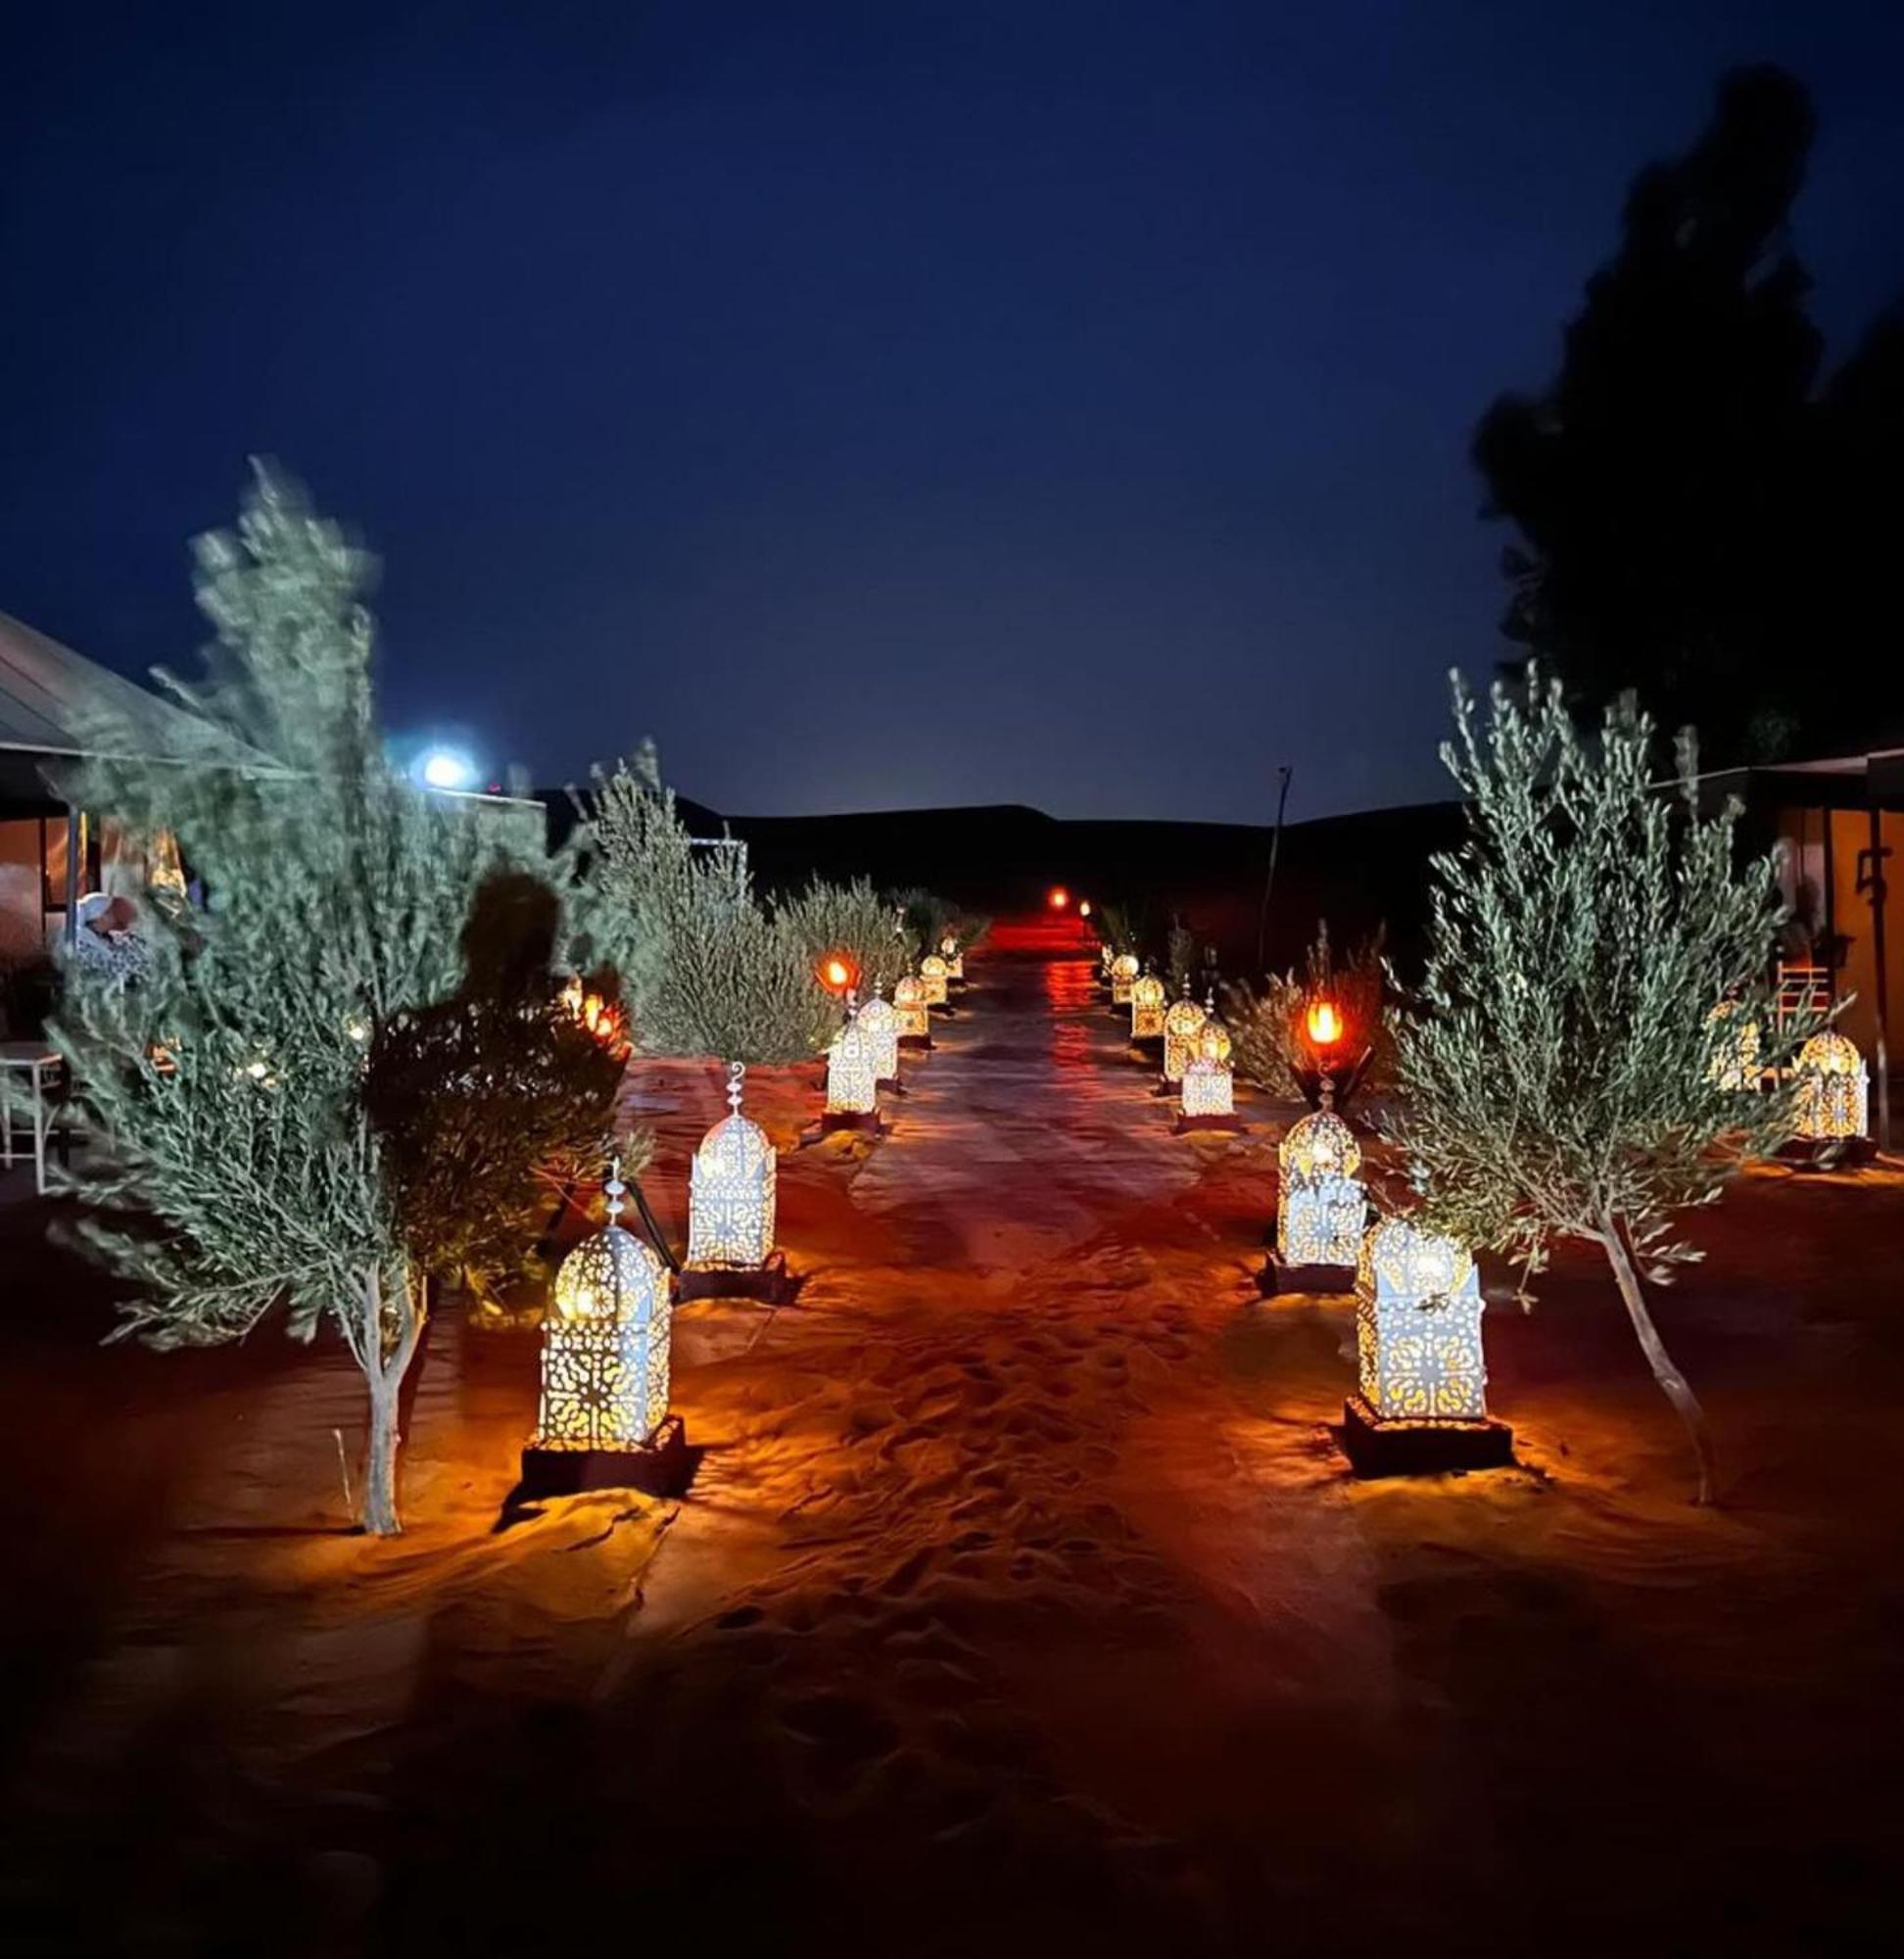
(1196, 1047)
(605, 1343)
(1421, 1373)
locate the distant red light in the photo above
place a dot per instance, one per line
(1058, 899)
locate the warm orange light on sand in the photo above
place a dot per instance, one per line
(1324, 1024)
(1058, 899)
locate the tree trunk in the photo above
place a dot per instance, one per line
(378, 1513)
(384, 1366)
(1673, 1383)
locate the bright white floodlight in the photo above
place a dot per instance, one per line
(445, 769)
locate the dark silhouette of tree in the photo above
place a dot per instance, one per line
(1699, 521)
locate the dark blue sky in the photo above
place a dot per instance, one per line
(880, 403)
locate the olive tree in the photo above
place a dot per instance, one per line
(1575, 1065)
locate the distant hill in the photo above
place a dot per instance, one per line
(1360, 872)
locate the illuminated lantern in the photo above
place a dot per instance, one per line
(1321, 1206)
(933, 976)
(852, 1077)
(604, 1369)
(1735, 1063)
(913, 1016)
(1057, 897)
(1423, 1377)
(1833, 1090)
(880, 1025)
(1123, 977)
(1208, 1091)
(953, 957)
(1147, 1008)
(1083, 908)
(1418, 1327)
(730, 1189)
(1181, 1027)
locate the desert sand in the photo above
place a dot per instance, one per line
(1023, 1601)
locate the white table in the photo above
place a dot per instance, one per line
(45, 1067)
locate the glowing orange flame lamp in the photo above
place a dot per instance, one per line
(1057, 898)
(837, 974)
(602, 1017)
(1332, 1074)
(1324, 1025)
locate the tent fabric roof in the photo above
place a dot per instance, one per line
(52, 701)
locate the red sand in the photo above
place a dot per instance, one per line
(1023, 1601)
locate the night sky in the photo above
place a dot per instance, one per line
(883, 404)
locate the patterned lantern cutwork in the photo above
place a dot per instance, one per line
(1833, 1090)
(1181, 1025)
(1735, 1063)
(1207, 1087)
(880, 1025)
(852, 1080)
(1321, 1206)
(731, 1191)
(909, 1005)
(933, 976)
(604, 1368)
(953, 957)
(1123, 977)
(1147, 1008)
(1418, 1327)
(1212, 1038)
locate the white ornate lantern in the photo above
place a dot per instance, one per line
(909, 1005)
(953, 957)
(1181, 1025)
(604, 1369)
(1735, 1063)
(1418, 1328)
(1833, 1090)
(731, 1191)
(852, 1080)
(1147, 1008)
(880, 1025)
(933, 976)
(1321, 1206)
(1123, 977)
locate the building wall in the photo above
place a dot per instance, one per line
(1852, 919)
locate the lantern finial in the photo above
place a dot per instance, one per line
(737, 1072)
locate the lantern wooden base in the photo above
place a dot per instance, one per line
(944, 1007)
(866, 1121)
(1187, 1126)
(890, 1085)
(663, 1466)
(1279, 1281)
(771, 1283)
(1835, 1153)
(1378, 1448)
(1147, 1047)
(916, 1043)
